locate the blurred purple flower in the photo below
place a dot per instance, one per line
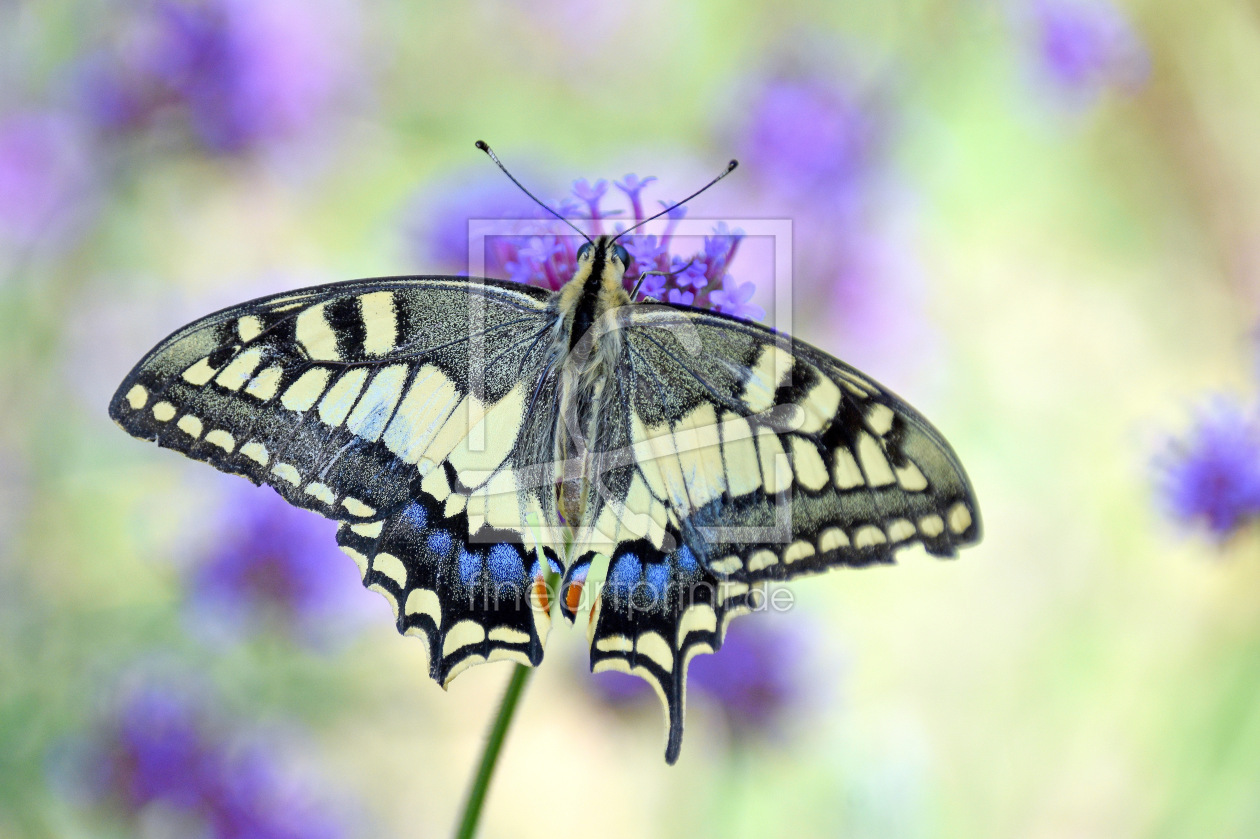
(1084, 47)
(45, 171)
(536, 255)
(818, 136)
(1212, 476)
(756, 679)
(438, 229)
(276, 567)
(160, 746)
(239, 73)
(537, 249)
(252, 799)
(155, 749)
(810, 134)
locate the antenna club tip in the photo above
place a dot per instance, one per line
(481, 144)
(730, 167)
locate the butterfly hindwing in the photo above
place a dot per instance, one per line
(656, 610)
(730, 456)
(472, 601)
(396, 406)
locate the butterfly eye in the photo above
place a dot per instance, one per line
(621, 254)
(584, 251)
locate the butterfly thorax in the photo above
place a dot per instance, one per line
(587, 326)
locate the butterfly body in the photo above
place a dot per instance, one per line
(582, 305)
(473, 435)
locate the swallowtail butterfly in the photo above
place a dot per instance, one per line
(464, 432)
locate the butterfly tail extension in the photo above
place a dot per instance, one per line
(654, 613)
(472, 601)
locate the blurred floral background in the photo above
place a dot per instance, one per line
(1038, 220)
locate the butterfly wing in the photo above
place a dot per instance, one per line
(399, 407)
(729, 456)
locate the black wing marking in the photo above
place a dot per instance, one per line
(363, 401)
(730, 456)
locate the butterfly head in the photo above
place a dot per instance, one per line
(603, 258)
(596, 287)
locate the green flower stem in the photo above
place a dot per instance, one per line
(507, 708)
(490, 756)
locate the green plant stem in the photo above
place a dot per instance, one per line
(490, 756)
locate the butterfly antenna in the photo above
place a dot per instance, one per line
(481, 144)
(730, 167)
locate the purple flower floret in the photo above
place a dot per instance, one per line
(652, 287)
(632, 186)
(732, 299)
(590, 194)
(536, 255)
(1212, 476)
(689, 273)
(645, 250)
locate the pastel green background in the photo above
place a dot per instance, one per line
(1090, 670)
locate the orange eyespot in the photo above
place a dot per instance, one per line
(540, 592)
(573, 596)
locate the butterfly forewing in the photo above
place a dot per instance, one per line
(399, 407)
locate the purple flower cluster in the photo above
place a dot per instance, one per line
(1212, 476)
(756, 679)
(1084, 47)
(237, 73)
(276, 567)
(161, 749)
(534, 254)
